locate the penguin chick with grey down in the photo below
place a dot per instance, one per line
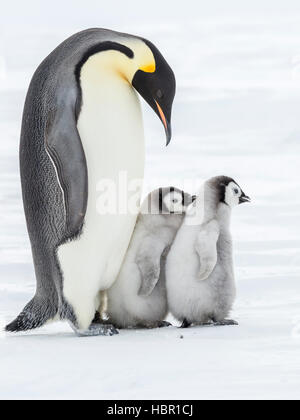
(199, 268)
(138, 296)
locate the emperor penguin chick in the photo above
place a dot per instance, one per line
(199, 268)
(138, 296)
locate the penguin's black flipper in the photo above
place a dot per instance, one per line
(64, 146)
(35, 314)
(149, 264)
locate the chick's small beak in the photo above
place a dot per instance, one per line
(166, 123)
(245, 199)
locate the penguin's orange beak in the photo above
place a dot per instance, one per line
(165, 122)
(162, 115)
(157, 88)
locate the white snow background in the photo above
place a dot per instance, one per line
(237, 112)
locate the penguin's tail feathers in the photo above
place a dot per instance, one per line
(35, 314)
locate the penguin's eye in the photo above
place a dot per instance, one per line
(159, 94)
(236, 191)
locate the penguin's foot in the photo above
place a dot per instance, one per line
(163, 324)
(96, 330)
(225, 323)
(204, 324)
(152, 325)
(185, 324)
(211, 323)
(98, 319)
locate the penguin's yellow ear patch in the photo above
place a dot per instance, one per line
(149, 68)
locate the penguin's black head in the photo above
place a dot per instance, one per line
(158, 88)
(166, 201)
(172, 200)
(141, 64)
(229, 192)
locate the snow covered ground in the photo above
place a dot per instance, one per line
(237, 112)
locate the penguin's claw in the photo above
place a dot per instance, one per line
(97, 330)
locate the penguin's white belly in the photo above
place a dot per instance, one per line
(111, 130)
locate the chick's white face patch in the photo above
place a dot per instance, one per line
(173, 202)
(232, 194)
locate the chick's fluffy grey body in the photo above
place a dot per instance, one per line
(199, 269)
(138, 297)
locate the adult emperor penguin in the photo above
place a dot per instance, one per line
(199, 269)
(82, 123)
